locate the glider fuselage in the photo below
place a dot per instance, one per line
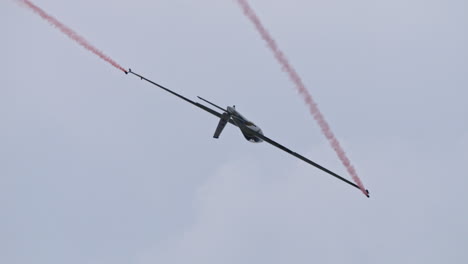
(248, 128)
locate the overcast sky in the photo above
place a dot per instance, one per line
(99, 167)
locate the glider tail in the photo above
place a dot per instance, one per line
(222, 123)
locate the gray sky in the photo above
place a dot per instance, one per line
(99, 167)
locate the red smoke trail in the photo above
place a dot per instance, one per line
(313, 108)
(70, 33)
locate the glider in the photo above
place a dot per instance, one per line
(250, 131)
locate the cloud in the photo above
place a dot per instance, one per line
(244, 215)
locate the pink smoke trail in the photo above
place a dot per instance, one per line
(70, 33)
(313, 108)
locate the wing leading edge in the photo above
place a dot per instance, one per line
(299, 156)
(209, 110)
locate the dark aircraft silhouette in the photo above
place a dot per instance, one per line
(250, 131)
